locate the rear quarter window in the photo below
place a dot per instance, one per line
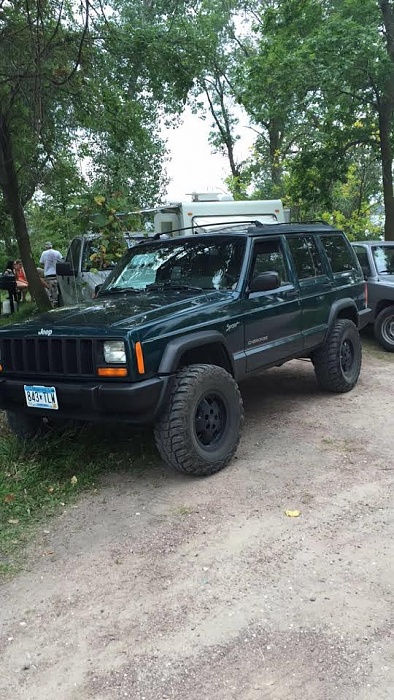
(340, 254)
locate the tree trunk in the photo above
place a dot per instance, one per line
(385, 111)
(275, 142)
(10, 187)
(387, 169)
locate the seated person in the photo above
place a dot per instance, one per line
(22, 285)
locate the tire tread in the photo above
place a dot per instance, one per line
(169, 429)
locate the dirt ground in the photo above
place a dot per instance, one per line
(160, 586)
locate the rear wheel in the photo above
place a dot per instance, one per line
(338, 362)
(199, 431)
(384, 328)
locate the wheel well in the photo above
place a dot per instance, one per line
(382, 304)
(211, 354)
(350, 313)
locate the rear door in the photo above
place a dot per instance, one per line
(348, 280)
(315, 285)
(272, 319)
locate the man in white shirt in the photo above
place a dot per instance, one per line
(48, 260)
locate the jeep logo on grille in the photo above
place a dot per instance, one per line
(45, 331)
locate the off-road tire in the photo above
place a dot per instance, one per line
(205, 402)
(338, 361)
(384, 328)
(25, 427)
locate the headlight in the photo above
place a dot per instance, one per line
(115, 352)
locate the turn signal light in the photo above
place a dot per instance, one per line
(140, 358)
(112, 371)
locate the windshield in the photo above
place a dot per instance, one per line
(384, 259)
(183, 264)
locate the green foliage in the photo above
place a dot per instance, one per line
(86, 113)
(103, 218)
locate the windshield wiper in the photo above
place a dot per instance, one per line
(173, 285)
(120, 290)
(386, 272)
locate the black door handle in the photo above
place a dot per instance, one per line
(291, 294)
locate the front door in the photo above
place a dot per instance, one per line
(272, 319)
(69, 286)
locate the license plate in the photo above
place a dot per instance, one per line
(41, 397)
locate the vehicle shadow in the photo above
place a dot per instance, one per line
(280, 386)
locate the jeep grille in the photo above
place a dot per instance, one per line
(52, 356)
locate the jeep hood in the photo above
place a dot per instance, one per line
(124, 311)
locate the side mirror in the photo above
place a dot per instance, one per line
(366, 271)
(64, 269)
(96, 290)
(264, 282)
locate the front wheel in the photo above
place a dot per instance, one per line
(338, 361)
(384, 328)
(199, 430)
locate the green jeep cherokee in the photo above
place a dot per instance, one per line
(178, 324)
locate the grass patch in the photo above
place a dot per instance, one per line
(24, 312)
(41, 477)
(183, 510)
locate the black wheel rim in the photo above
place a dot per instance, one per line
(388, 330)
(210, 420)
(347, 356)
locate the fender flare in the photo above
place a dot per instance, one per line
(347, 303)
(176, 347)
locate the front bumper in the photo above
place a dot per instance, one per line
(139, 403)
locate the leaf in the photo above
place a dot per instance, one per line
(13, 521)
(293, 513)
(99, 200)
(9, 498)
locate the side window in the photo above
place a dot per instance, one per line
(339, 253)
(306, 256)
(362, 255)
(268, 257)
(74, 253)
(91, 249)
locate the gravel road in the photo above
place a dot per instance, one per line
(161, 586)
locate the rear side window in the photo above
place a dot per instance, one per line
(306, 256)
(339, 253)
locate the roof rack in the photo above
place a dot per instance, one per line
(198, 229)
